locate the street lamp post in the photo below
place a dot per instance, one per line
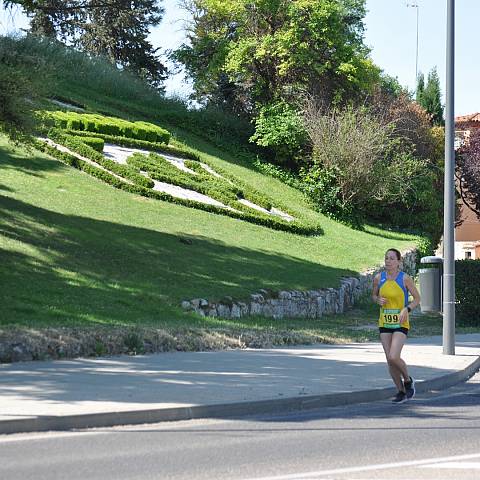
(449, 193)
(415, 5)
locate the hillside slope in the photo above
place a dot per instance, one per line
(76, 251)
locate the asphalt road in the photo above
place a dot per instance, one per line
(435, 436)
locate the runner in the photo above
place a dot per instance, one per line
(391, 289)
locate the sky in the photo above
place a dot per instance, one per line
(390, 32)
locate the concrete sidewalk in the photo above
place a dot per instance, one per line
(80, 393)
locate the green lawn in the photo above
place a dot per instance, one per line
(75, 251)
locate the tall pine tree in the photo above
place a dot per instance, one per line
(429, 97)
(420, 88)
(117, 29)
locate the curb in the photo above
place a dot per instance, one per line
(228, 410)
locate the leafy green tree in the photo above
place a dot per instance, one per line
(429, 97)
(267, 51)
(116, 29)
(280, 128)
(390, 86)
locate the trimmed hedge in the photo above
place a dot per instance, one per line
(467, 292)
(96, 143)
(134, 143)
(107, 125)
(162, 170)
(244, 190)
(259, 219)
(76, 144)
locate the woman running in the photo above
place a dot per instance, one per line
(391, 289)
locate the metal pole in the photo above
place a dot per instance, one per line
(449, 193)
(416, 56)
(415, 5)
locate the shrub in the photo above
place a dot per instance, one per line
(174, 149)
(352, 144)
(321, 187)
(364, 167)
(74, 123)
(75, 144)
(417, 204)
(281, 128)
(277, 172)
(134, 344)
(108, 126)
(425, 248)
(94, 142)
(162, 170)
(24, 78)
(467, 292)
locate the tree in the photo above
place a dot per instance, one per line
(468, 173)
(429, 97)
(420, 88)
(275, 50)
(375, 162)
(280, 128)
(116, 29)
(348, 165)
(120, 31)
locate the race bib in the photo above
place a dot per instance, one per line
(391, 317)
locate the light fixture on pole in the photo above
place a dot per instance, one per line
(415, 5)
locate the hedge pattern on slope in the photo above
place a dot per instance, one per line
(202, 181)
(218, 192)
(262, 220)
(181, 152)
(97, 144)
(76, 145)
(96, 123)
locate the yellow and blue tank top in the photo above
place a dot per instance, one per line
(397, 298)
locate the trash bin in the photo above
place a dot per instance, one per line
(430, 279)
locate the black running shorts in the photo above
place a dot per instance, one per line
(393, 330)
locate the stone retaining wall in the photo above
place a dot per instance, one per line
(294, 303)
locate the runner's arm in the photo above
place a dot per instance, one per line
(412, 289)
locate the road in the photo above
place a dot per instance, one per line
(435, 436)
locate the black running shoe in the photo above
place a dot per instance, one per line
(410, 388)
(400, 397)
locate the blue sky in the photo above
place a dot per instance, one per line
(390, 33)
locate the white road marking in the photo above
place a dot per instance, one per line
(365, 468)
(461, 465)
(26, 437)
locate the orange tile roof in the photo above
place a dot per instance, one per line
(473, 117)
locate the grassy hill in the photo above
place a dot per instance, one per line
(76, 252)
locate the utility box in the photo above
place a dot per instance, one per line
(430, 279)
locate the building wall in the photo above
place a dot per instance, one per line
(467, 235)
(467, 250)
